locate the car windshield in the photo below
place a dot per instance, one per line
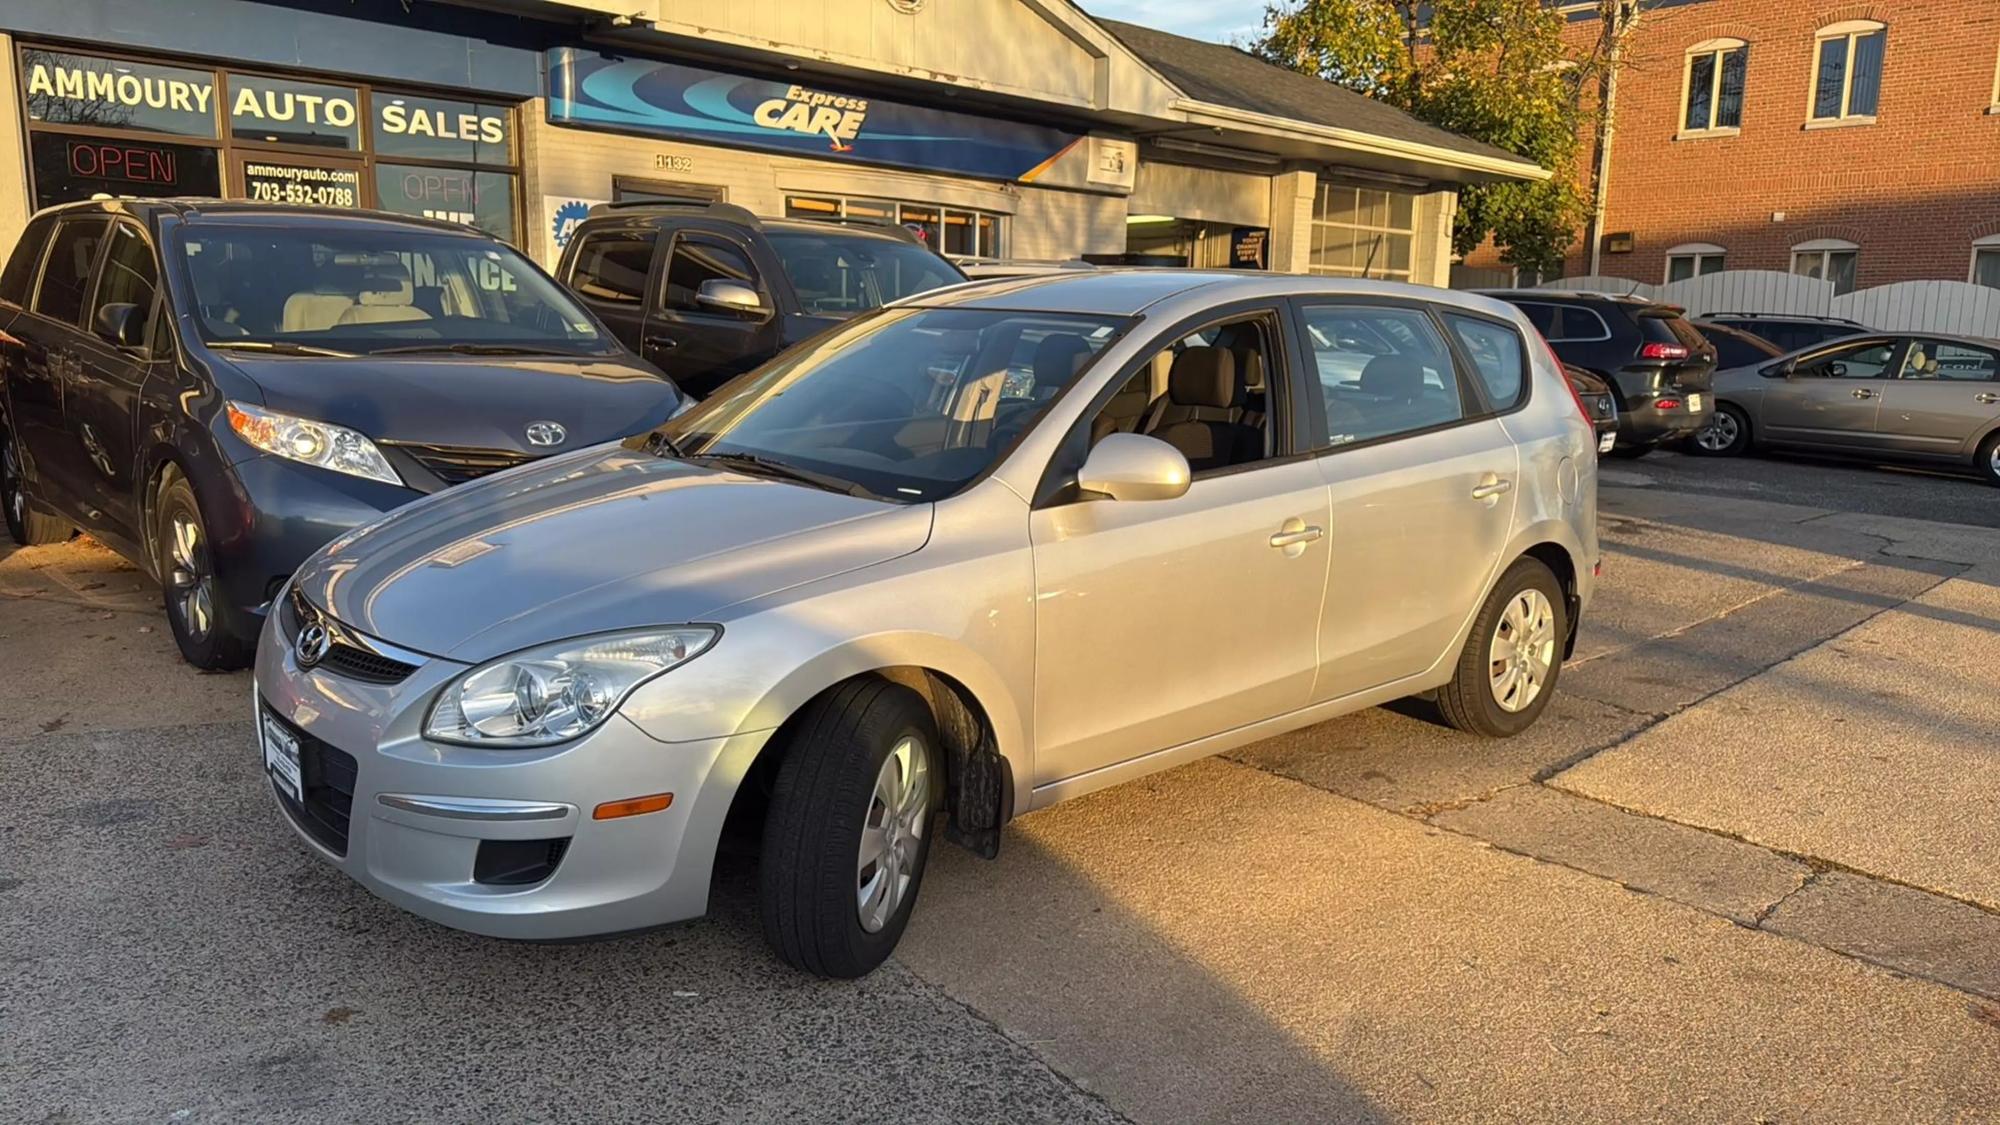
(840, 274)
(906, 404)
(301, 290)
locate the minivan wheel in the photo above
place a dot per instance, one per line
(25, 526)
(196, 609)
(1511, 662)
(1725, 434)
(1989, 459)
(849, 828)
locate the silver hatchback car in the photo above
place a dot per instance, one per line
(980, 551)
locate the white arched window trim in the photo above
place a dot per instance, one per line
(1716, 50)
(1693, 259)
(1826, 244)
(1849, 27)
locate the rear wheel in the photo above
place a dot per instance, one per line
(195, 607)
(25, 526)
(1989, 459)
(848, 831)
(1726, 434)
(1511, 662)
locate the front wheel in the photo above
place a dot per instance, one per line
(1726, 434)
(849, 828)
(1508, 670)
(25, 526)
(1989, 459)
(195, 607)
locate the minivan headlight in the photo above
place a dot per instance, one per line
(314, 443)
(542, 696)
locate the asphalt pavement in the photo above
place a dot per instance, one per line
(1742, 871)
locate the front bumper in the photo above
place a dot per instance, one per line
(269, 515)
(424, 820)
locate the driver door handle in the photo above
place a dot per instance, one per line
(1298, 537)
(1863, 392)
(662, 342)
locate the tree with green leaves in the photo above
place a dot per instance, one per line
(1493, 70)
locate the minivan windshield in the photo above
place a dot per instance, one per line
(907, 404)
(839, 274)
(299, 290)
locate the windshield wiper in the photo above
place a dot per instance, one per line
(469, 348)
(766, 466)
(278, 347)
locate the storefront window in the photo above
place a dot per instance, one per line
(949, 230)
(151, 129)
(1363, 232)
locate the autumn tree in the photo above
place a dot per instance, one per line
(1493, 70)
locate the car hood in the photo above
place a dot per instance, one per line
(597, 540)
(484, 402)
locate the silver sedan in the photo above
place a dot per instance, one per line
(1881, 396)
(889, 576)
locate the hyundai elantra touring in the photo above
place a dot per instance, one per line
(982, 550)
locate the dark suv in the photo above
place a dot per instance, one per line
(708, 291)
(1789, 332)
(1658, 365)
(215, 390)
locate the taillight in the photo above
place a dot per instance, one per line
(1668, 404)
(1663, 351)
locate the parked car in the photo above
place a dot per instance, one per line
(708, 291)
(1883, 396)
(1657, 364)
(1735, 347)
(982, 269)
(860, 586)
(1786, 331)
(1598, 402)
(214, 390)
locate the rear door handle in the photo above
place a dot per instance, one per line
(1489, 489)
(1863, 392)
(1986, 399)
(662, 342)
(1297, 537)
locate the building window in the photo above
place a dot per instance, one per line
(955, 232)
(1847, 68)
(1828, 259)
(1693, 259)
(1994, 107)
(1986, 262)
(1363, 232)
(1714, 97)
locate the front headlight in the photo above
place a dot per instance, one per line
(315, 443)
(559, 691)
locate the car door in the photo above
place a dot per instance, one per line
(1945, 395)
(1161, 622)
(608, 269)
(1421, 476)
(101, 407)
(1831, 396)
(700, 344)
(52, 347)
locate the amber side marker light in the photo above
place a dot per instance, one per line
(632, 806)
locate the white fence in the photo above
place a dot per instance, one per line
(1952, 307)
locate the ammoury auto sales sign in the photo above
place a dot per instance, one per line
(691, 103)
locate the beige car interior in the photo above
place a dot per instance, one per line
(1206, 395)
(377, 293)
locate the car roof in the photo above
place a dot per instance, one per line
(1128, 291)
(1766, 317)
(1571, 295)
(198, 210)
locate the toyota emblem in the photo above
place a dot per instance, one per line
(546, 433)
(313, 643)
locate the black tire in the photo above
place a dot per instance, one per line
(1630, 452)
(197, 612)
(1988, 462)
(1726, 434)
(25, 525)
(1468, 702)
(811, 873)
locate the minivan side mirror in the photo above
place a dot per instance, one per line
(121, 325)
(1134, 467)
(728, 296)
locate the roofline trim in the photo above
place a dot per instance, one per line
(1355, 139)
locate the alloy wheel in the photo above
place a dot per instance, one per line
(16, 493)
(1720, 433)
(1523, 650)
(189, 577)
(892, 833)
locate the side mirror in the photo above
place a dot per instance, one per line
(1134, 467)
(728, 296)
(121, 325)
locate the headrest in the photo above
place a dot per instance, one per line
(1251, 362)
(1204, 376)
(1393, 376)
(386, 283)
(1058, 358)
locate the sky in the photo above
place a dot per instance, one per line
(1222, 21)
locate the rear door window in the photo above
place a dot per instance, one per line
(1382, 371)
(1498, 355)
(1542, 316)
(130, 277)
(1943, 359)
(612, 267)
(19, 277)
(66, 276)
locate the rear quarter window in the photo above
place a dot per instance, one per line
(1498, 355)
(66, 277)
(17, 279)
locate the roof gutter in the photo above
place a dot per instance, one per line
(1353, 140)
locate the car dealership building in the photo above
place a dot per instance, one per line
(993, 128)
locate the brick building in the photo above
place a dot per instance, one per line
(1854, 141)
